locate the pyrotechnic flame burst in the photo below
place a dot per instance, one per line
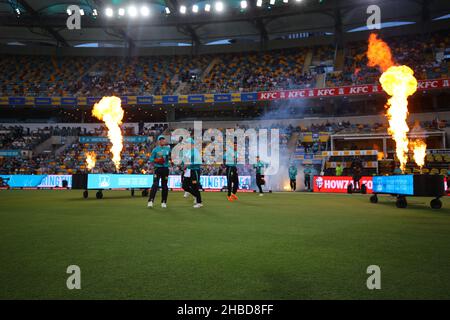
(398, 82)
(379, 54)
(91, 159)
(420, 150)
(111, 113)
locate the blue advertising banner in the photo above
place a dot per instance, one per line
(211, 182)
(114, 181)
(36, 181)
(92, 100)
(169, 99)
(119, 181)
(16, 100)
(144, 100)
(124, 99)
(9, 153)
(250, 96)
(97, 139)
(398, 184)
(66, 101)
(196, 98)
(226, 97)
(42, 101)
(142, 181)
(93, 139)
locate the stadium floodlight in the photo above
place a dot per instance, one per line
(167, 10)
(285, 1)
(182, 9)
(195, 8)
(244, 4)
(82, 12)
(145, 11)
(121, 12)
(259, 3)
(207, 7)
(272, 2)
(298, 0)
(109, 12)
(132, 11)
(219, 6)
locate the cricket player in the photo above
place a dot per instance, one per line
(160, 158)
(307, 172)
(183, 169)
(293, 176)
(193, 160)
(232, 173)
(260, 181)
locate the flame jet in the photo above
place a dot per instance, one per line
(109, 110)
(399, 83)
(91, 159)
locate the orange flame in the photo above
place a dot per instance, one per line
(109, 111)
(91, 159)
(398, 82)
(419, 150)
(379, 54)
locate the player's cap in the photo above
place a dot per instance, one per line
(161, 137)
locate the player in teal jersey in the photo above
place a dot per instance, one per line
(193, 161)
(260, 181)
(293, 177)
(308, 173)
(160, 157)
(231, 160)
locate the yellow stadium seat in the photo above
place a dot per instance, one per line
(434, 171)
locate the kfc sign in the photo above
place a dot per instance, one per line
(345, 91)
(338, 184)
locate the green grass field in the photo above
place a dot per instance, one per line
(281, 246)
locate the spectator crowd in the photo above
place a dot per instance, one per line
(219, 73)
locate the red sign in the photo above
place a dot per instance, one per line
(338, 184)
(345, 91)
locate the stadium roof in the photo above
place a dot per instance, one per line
(44, 22)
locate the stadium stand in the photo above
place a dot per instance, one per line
(298, 141)
(247, 72)
(424, 54)
(219, 73)
(227, 73)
